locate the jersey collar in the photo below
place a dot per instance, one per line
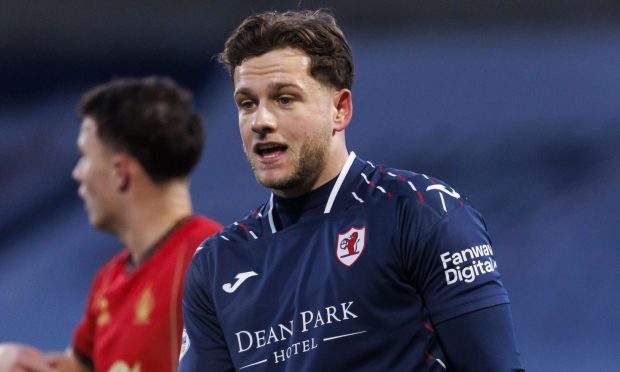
(332, 195)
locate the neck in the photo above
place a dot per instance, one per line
(152, 214)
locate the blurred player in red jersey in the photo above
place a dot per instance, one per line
(139, 141)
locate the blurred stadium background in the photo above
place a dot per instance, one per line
(515, 104)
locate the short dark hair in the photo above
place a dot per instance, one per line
(152, 119)
(314, 32)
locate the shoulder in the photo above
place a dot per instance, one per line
(117, 264)
(215, 252)
(119, 260)
(250, 227)
(204, 226)
(417, 190)
(188, 236)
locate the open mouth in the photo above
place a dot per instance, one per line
(270, 150)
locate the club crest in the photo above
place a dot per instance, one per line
(351, 245)
(144, 307)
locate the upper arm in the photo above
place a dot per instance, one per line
(83, 342)
(450, 261)
(204, 346)
(482, 340)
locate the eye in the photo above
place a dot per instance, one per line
(285, 100)
(246, 104)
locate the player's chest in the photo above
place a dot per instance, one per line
(129, 311)
(305, 288)
(338, 252)
(129, 315)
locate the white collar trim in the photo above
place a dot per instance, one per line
(270, 215)
(332, 195)
(339, 181)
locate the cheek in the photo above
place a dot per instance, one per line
(312, 119)
(95, 178)
(309, 127)
(92, 172)
(245, 125)
(245, 134)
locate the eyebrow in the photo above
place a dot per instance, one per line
(274, 87)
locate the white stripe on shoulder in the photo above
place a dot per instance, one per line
(339, 181)
(365, 177)
(443, 203)
(357, 197)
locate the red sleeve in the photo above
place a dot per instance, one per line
(84, 334)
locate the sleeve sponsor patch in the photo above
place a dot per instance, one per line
(468, 264)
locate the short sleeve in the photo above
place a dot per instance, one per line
(451, 262)
(84, 334)
(204, 347)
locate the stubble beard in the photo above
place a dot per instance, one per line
(307, 165)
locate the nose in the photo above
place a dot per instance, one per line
(77, 172)
(264, 120)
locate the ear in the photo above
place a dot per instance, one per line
(343, 109)
(122, 172)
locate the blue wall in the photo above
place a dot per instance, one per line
(526, 122)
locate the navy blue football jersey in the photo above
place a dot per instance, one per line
(355, 282)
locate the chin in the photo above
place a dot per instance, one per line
(271, 183)
(99, 222)
(268, 182)
(107, 228)
(284, 183)
(267, 178)
(95, 222)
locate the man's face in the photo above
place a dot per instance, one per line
(95, 174)
(285, 120)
